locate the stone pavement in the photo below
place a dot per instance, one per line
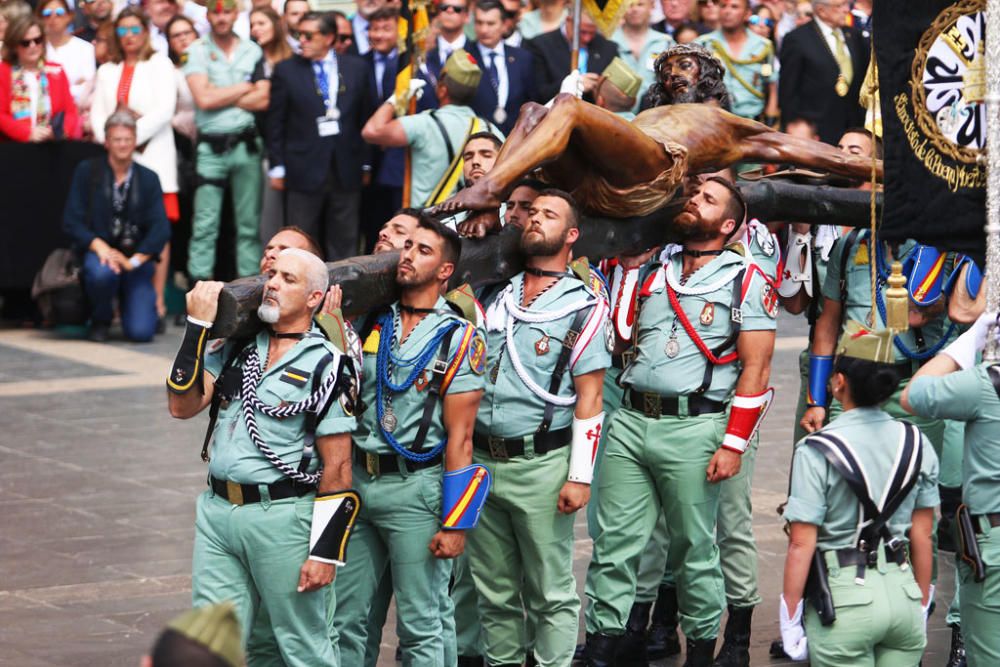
(97, 489)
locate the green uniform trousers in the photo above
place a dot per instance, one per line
(521, 555)
(879, 623)
(800, 405)
(243, 171)
(399, 516)
(252, 555)
(652, 465)
(980, 604)
(734, 536)
(612, 396)
(465, 600)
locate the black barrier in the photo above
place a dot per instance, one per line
(34, 184)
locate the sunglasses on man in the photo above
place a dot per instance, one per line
(58, 11)
(125, 30)
(453, 9)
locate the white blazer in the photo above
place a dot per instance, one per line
(153, 95)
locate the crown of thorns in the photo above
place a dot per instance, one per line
(711, 67)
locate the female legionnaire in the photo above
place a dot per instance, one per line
(954, 386)
(861, 487)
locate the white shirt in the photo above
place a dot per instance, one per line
(360, 24)
(77, 59)
(830, 37)
(158, 40)
(500, 62)
(446, 48)
(31, 81)
(380, 62)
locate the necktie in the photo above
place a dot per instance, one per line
(843, 57)
(322, 82)
(380, 59)
(492, 71)
(581, 63)
(445, 54)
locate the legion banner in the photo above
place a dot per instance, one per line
(932, 83)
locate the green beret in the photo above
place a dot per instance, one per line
(623, 77)
(861, 343)
(461, 68)
(215, 627)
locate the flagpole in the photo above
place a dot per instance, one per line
(574, 58)
(992, 269)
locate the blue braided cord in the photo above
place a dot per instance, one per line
(881, 264)
(384, 381)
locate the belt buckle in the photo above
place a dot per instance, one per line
(652, 405)
(234, 492)
(371, 464)
(498, 449)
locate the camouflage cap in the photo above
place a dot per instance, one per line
(623, 77)
(859, 342)
(461, 68)
(215, 627)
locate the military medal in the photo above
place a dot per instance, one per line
(841, 86)
(707, 314)
(499, 116)
(542, 345)
(388, 420)
(673, 347)
(421, 382)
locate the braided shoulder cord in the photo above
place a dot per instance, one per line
(252, 404)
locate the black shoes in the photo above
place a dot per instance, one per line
(956, 657)
(700, 653)
(99, 332)
(735, 650)
(661, 638)
(601, 650)
(632, 647)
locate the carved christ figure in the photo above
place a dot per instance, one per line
(617, 168)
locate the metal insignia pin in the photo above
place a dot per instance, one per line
(707, 314)
(542, 345)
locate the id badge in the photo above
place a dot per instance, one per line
(327, 126)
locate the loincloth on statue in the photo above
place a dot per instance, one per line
(596, 195)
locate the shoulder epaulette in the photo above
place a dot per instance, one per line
(334, 327)
(738, 248)
(464, 303)
(582, 269)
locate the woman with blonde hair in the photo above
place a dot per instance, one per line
(142, 82)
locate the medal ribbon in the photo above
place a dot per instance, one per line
(693, 335)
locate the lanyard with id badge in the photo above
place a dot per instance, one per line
(328, 125)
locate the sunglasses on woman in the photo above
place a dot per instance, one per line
(58, 11)
(124, 30)
(757, 20)
(345, 38)
(32, 41)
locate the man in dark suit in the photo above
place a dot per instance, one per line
(551, 53)
(823, 65)
(384, 195)
(450, 20)
(508, 71)
(319, 101)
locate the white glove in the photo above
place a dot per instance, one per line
(793, 635)
(572, 84)
(968, 345)
(415, 91)
(927, 607)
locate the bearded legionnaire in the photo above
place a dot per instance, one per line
(619, 168)
(423, 382)
(953, 385)
(537, 432)
(276, 517)
(861, 509)
(678, 434)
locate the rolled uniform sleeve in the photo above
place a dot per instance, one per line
(946, 397)
(466, 376)
(216, 353)
(755, 315)
(336, 420)
(807, 495)
(416, 128)
(927, 482)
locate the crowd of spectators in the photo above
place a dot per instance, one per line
(267, 113)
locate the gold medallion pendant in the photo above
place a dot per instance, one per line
(841, 86)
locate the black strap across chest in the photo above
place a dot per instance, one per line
(875, 528)
(736, 317)
(845, 256)
(444, 135)
(439, 367)
(562, 363)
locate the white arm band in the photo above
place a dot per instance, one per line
(797, 273)
(583, 451)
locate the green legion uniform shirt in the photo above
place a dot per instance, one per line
(656, 43)
(820, 496)
(654, 372)
(509, 409)
(428, 152)
(204, 57)
(968, 396)
(234, 455)
(408, 406)
(756, 75)
(859, 296)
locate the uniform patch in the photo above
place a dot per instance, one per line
(477, 354)
(294, 376)
(707, 314)
(609, 335)
(769, 299)
(349, 397)
(421, 382)
(542, 345)
(765, 241)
